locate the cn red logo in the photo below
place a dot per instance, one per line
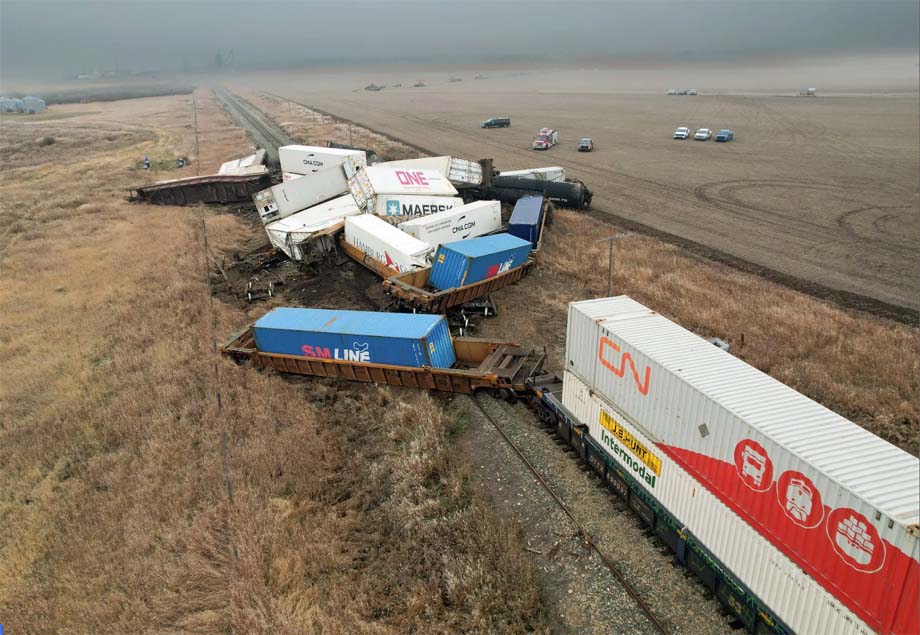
(411, 178)
(619, 369)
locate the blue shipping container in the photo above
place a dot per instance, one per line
(397, 339)
(469, 261)
(527, 219)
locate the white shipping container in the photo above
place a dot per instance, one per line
(460, 172)
(240, 166)
(794, 596)
(466, 221)
(555, 173)
(289, 198)
(289, 176)
(386, 244)
(298, 159)
(290, 233)
(372, 185)
(396, 208)
(839, 501)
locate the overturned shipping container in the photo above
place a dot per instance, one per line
(386, 244)
(836, 500)
(464, 262)
(397, 339)
(460, 172)
(288, 198)
(293, 234)
(527, 219)
(380, 190)
(460, 223)
(296, 159)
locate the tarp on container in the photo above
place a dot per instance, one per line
(397, 339)
(288, 234)
(460, 172)
(527, 219)
(836, 499)
(465, 262)
(370, 184)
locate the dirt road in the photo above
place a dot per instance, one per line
(822, 189)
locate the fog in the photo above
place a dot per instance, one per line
(53, 40)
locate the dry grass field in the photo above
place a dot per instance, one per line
(150, 486)
(823, 189)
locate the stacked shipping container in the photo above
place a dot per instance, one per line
(818, 492)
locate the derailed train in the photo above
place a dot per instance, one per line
(796, 518)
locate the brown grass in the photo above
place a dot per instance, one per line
(862, 367)
(133, 499)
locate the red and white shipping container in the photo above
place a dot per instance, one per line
(386, 244)
(460, 172)
(379, 190)
(772, 477)
(297, 159)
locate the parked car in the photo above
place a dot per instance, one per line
(496, 122)
(672, 92)
(692, 91)
(703, 134)
(585, 145)
(682, 133)
(725, 135)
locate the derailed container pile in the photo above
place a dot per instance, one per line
(397, 339)
(813, 515)
(467, 261)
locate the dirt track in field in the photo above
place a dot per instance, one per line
(820, 189)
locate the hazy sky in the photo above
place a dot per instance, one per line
(54, 39)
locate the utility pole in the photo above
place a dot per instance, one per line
(349, 135)
(612, 241)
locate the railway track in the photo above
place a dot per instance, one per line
(263, 130)
(654, 621)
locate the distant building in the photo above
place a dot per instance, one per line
(33, 105)
(11, 104)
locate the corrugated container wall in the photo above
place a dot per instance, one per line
(460, 172)
(288, 198)
(460, 223)
(368, 185)
(468, 261)
(839, 501)
(795, 597)
(296, 159)
(527, 219)
(386, 244)
(288, 233)
(397, 208)
(396, 339)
